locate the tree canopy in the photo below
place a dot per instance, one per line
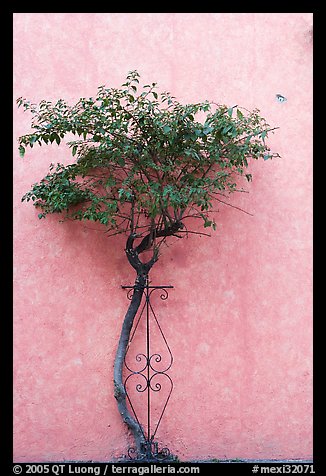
(143, 162)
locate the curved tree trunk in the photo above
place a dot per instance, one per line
(142, 270)
(119, 389)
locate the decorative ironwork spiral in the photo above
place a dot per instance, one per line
(140, 387)
(130, 294)
(150, 452)
(164, 294)
(132, 452)
(138, 358)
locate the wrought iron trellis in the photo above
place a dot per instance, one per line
(148, 375)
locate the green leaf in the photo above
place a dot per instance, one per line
(21, 151)
(227, 129)
(111, 181)
(104, 220)
(230, 111)
(54, 136)
(207, 129)
(74, 150)
(239, 114)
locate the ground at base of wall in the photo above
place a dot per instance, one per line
(258, 461)
(208, 461)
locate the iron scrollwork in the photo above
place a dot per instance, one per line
(148, 375)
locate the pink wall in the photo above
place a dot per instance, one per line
(239, 318)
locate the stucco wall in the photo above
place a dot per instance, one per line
(239, 319)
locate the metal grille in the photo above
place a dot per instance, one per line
(146, 372)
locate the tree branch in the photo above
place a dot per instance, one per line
(146, 242)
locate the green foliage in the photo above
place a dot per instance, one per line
(142, 158)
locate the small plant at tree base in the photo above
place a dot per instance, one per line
(144, 166)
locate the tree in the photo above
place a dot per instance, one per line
(146, 166)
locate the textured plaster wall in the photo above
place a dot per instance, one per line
(239, 319)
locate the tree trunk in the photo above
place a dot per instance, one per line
(119, 389)
(142, 270)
